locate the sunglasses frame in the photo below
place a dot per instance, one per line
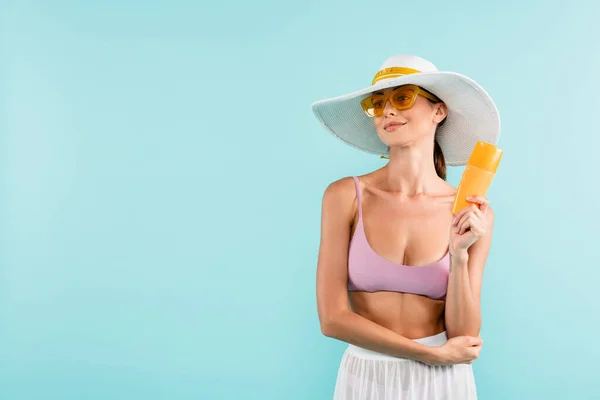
(387, 97)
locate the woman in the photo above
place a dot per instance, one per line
(399, 276)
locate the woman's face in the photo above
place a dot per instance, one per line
(395, 127)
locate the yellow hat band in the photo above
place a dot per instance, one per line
(393, 72)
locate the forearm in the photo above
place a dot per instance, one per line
(462, 314)
(360, 331)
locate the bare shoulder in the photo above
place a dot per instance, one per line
(445, 193)
(341, 185)
(340, 195)
(450, 188)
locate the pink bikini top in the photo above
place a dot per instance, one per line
(368, 271)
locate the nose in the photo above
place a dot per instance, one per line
(389, 109)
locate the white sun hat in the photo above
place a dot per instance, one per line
(472, 115)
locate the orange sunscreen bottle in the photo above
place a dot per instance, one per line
(478, 174)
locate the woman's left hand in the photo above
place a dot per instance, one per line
(469, 224)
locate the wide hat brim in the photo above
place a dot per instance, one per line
(472, 115)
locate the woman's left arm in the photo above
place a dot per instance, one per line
(470, 240)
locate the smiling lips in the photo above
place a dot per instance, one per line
(390, 126)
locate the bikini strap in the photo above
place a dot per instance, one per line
(358, 205)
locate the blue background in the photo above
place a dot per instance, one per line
(162, 176)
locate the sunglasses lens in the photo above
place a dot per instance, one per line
(403, 98)
(373, 105)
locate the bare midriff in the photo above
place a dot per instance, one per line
(407, 314)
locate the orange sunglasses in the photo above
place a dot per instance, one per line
(402, 98)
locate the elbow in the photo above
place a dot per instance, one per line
(473, 329)
(462, 332)
(330, 324)
(328, 327)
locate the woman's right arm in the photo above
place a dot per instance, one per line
(336, 318)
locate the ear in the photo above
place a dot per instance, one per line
(440, 113)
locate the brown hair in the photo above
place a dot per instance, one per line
(438, 156)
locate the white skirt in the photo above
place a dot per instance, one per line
(368, 375)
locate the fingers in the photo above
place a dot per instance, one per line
(459, 214)
(466, 349)
(478, 203)
(466, 218)
(478, 200)
(470, 209)
(469, 340)
(472, 355)
(475, 341)
(482, 201)
(459, 220)
(467, 222)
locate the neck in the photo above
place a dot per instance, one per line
(411, 168)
